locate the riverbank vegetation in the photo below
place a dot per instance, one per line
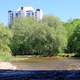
(49, 37)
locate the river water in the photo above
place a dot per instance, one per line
(49, 63)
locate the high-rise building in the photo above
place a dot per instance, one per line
(23, 12)
(10, 17)
(39, 14)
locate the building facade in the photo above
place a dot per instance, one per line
(25, 12)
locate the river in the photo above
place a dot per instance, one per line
(49, 63)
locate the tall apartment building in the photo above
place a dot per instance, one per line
(23, 12)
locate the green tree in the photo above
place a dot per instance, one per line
(37, 37)
(59, 31)
(74, 41)
(71, 28)
(5, 36)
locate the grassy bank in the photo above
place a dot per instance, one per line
(5, 58)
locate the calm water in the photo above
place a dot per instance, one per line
(49, 63)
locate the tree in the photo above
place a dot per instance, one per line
(74, 41)
(5, 36)
(36, 37)
(72, 28)
(59, 32)
(71, 25)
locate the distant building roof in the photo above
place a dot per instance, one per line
(26, 9)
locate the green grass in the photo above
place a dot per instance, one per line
(5, 58)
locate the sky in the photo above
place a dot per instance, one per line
(64, 9)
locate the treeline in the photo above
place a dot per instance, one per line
(47, 37)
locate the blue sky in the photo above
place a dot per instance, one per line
(64, 9)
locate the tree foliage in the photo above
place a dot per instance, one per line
(73, 34)
(47, 37)
(59, 32)
(38, 38)
(74, 41)
(5, 36)
(70, 26)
